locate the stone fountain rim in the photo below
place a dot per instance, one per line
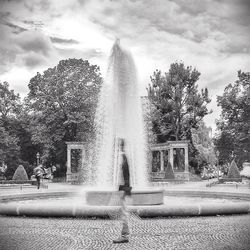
(10, 209)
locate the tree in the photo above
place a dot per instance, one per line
(233, 126)
(60, 106)
(10, 107)
(9, 102)
(179, 105)
(9, 148)
(204, 145)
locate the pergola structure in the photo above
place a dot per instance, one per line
(169, 149)
(73, 175)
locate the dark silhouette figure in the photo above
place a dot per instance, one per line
(38, 171)
(125, 189)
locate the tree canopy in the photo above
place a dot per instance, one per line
(60, 106)
(9, 101)
(233, 138)
(204, 145)
(10, 107)
(179, 105)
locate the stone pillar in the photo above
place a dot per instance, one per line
(83, 157)
(162, 160)
(171, 157)
(68, 164)
(186, 159)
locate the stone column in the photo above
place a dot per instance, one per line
(171, 157)
(83, 156)
(162, 160)
(186, 159)
(68, 164)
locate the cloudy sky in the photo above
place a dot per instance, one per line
(211, 35)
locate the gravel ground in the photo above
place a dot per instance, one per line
(218, 232)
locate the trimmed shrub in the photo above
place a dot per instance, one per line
(169, 173)
(233, 172)
(20, 174)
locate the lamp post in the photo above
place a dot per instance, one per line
(218, 168)
(37, 158)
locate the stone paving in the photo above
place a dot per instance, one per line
(221, 232)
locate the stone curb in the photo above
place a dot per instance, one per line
(208, 194)
(44, 195)
(70, 210)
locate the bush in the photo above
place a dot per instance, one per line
(233, 171)
(20, 174)
(169, 171)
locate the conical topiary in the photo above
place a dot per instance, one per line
(169, 173)
(20, 174)
(233, 172)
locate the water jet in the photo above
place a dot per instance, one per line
(119, 115)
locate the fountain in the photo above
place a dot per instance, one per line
(119, 115)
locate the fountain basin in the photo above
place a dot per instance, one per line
(69, 207)
(137, 198)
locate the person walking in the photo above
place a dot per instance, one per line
(38, 171)
(124, 191)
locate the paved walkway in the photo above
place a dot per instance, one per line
(215, 233)
(210, 233)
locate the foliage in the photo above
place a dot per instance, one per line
(204, 146)
(9, 101)
(20, 174)
(8, 145)
(233, 171)
(179, 104)
(148, 109)
(60, 106)
(233, 125)
(10, 107)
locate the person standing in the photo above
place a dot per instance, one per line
(38, 171)
(124, 191)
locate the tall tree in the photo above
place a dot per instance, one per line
(9, 102)
(204, 145)
(9, 148)
(180, 106)
(61, 104)
(234, 123)
(10, 108)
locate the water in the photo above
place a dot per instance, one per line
(119, 115)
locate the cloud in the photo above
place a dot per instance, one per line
(16, 29)
(63, 41)
(85, 54)
(7, 52)
(34, 41)
(198, 21)
(211, 35)
(32, 60)
(30, 48)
